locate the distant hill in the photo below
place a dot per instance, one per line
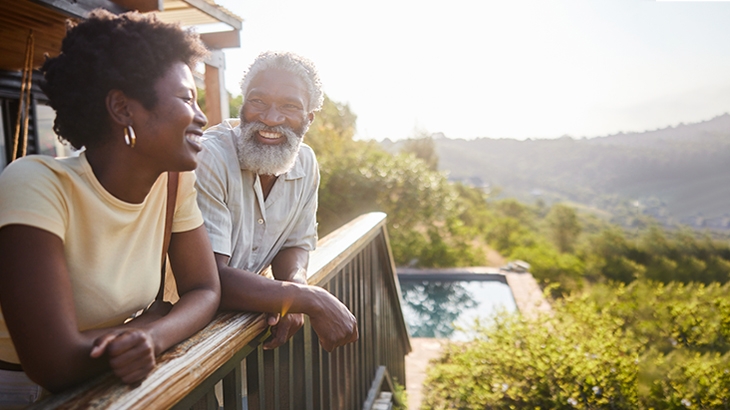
(676, 174)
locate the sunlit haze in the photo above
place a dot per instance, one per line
(502, 69)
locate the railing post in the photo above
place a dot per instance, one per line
(233, 390)
(311, 368)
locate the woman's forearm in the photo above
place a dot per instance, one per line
(194, 310)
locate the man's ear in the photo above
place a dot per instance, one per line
(118, 108)
(310, 117)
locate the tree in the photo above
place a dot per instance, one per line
(424, 148)
(564, 227)
(234, 105)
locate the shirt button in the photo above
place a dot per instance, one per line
(255, 248)
(260, 221)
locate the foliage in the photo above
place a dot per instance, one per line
(564, 227)
(646, 345)
(668, 317)
(424, 149)
(358, 177)
(234, 105)
(400, 396)
(658, 255)
(546, 363)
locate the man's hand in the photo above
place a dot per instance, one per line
(333, 322)
(131, 353)
(282, 328)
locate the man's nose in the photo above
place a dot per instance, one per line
(272, 116)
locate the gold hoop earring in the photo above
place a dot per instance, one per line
(129, 137)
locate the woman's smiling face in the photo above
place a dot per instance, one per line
(169, 134)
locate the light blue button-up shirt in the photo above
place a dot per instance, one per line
(240, 223)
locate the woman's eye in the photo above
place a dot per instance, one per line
(188, 100)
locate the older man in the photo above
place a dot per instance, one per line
(257, 188)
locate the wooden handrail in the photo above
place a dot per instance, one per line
(339, 246)
(195, 365)
(187, 364)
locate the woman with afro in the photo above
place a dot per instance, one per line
(81, 238)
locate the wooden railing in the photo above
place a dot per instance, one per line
(355, 264)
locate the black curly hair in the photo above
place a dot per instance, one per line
(127, 52)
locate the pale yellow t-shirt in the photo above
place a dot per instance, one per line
(112, 247)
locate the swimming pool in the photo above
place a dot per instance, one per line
(438, 308)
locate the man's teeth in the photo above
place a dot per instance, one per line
(269, 135)
(195, 138)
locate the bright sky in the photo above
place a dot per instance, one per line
(502, 69)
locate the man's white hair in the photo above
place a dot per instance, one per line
(290, 62)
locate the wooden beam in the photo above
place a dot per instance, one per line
(214, 12)
(143, 6)
(16, 21)
(222, 39)
(213, 95)
(80, 8)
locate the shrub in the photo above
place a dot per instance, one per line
(547, 363)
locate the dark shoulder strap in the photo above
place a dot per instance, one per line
(172, 183)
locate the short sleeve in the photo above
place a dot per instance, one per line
(212, 199)
(31, 193)
(187, 215)
(304, 234)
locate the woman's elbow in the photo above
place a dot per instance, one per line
(50, 378)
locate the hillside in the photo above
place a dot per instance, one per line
(677, 174)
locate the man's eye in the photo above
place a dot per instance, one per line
(188, 100)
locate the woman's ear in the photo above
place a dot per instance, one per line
(118, 107)
(310, 117)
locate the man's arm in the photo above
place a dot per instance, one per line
(331, 320)
(289, 265)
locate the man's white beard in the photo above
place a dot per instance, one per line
(267, 159)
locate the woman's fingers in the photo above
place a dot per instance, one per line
(131, 355)
(101, 343)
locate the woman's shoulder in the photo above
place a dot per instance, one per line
(35, 166)
(42, 174)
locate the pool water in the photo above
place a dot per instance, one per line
(439, 309)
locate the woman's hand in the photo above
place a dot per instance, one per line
(131, 353)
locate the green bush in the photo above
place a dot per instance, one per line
(646, 345)
(576, 358)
